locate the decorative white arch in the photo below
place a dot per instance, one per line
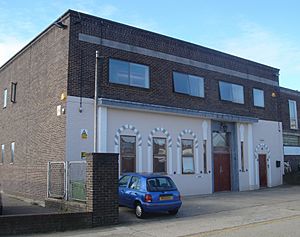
(139, 143)
(150, 149)
(263, 149)
(196, 148)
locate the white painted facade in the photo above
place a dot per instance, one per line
(257, 138)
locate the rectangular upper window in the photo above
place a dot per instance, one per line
(13, 91)
(188, 84)
(258, 98)
(293, 114)
(5, 98)
(231, 92)
(127, 73)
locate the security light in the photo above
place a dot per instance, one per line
(60, 25)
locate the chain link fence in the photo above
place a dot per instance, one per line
(67, 180)
(76, 180)
(56, 179)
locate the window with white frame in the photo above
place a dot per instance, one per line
(12, 147)
(159, 155)
(187, 153)
(127, 153)
(5, 98)
(231, 92)
(127, 73)
(188, 84)
(258, 98)
(2, 153)
(293, 114)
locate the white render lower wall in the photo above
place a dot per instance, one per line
(145, 125)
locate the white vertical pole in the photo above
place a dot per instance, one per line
(96, 104)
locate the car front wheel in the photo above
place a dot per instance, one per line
(139, 211)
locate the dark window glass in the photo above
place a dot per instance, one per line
(231, 92)
(159, 155)
(127, 153)
(135, 183)
(187, 156)
(118, 72)
(160, 184)
(188, 84)
(133, 74)
(123, 181)
(13, 92)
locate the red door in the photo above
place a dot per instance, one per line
(222, 179)
(262, 170)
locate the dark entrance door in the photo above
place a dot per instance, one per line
(221, 156)
(262, 170)
(222, 176)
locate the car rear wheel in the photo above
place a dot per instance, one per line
(139, 211)
(173, 212)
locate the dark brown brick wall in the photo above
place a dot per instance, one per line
(102, 188)
(285, 114)
(82, 64)
(40, 71)
(28, 224)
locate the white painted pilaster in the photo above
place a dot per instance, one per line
(169, 161)
(102, 129)
(251, 158)
(178, 160)
(197, 161)
(149, 159)
(140, 160)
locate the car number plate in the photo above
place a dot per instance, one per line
(163, 198)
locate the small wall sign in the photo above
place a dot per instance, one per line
(83, 155)
(84, 133)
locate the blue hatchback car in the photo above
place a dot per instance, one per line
(149, 193)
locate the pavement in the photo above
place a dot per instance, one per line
(267, 212)
(15, 206)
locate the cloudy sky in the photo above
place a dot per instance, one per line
(266, 31)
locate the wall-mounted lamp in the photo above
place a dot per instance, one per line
(63, 96)
(60, 25)
(273, 94)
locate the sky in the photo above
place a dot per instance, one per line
(265, 31)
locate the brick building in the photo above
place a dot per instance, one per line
(290, 108)
(210, 120)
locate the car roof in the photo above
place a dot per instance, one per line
(146, 175)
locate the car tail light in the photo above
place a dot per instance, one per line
(148, 198)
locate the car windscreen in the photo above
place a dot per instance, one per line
(156, 184)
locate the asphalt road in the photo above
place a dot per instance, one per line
(273, 212)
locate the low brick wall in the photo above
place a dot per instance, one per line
(65, 206)
(101, 207)
(27, 224)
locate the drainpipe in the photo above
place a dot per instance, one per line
(96, 104)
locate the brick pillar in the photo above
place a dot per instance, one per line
(102, 188)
